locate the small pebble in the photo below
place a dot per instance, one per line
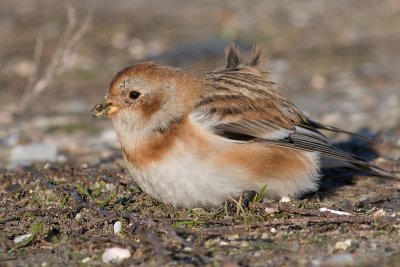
(285, 199)
(270, 210)
(21, 238)
(78, 216)
(117, 227)
(343, 245)
(115, 254)
(85, 260)
(273, 230)
(84, 166)
(379, 213)
(223, 243)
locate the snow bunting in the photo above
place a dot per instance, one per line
(196, 138)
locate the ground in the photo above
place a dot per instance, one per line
(62, 176)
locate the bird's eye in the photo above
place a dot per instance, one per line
(134, 94)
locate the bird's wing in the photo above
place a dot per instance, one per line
(245, 102)
(242, 105)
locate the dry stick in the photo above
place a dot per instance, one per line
(59, 60)
(151, 238)
(145, 221)
(37, 57)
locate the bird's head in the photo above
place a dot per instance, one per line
(148, 96)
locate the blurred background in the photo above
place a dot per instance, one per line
(337, 60)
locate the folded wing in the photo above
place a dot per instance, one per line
(242, 105)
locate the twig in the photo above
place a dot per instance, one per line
(59, 61)
(37, 56)
(149, 236)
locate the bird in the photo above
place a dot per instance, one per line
(195, 138)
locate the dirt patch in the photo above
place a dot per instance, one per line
(77, 208)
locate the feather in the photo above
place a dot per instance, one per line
(232, 56)
(321, 126)
(256, 56)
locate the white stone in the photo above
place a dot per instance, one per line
(379, 213)
(115, 254)
(343, 245)
(285, 199)
(273, 230)
(85, 260)
(21, 238)
(223, 243)
(117, 227)
(270, 210)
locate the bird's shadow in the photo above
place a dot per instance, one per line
(333, 178)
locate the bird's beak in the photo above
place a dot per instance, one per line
(104, 108)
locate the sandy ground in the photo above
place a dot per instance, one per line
(62, 177)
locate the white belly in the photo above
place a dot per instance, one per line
(183, 179)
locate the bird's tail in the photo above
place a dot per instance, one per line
(375, 170)
(359, 165)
